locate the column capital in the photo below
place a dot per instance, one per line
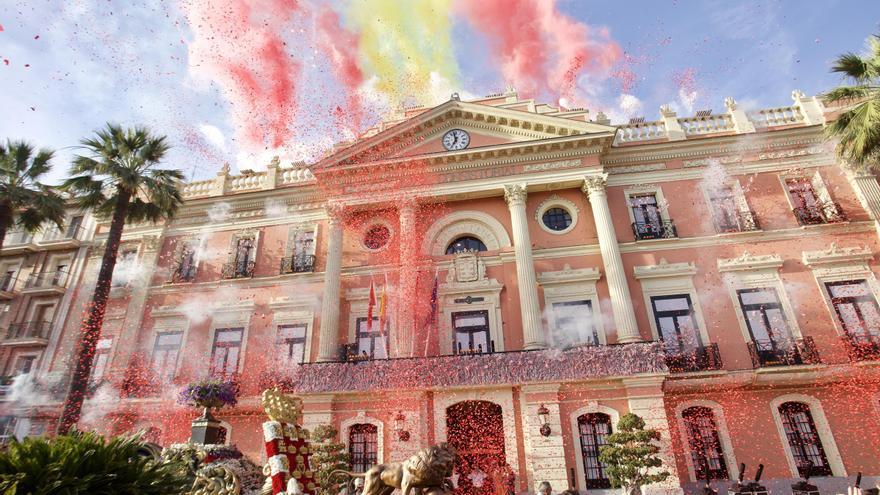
(594, 184)
(515, 194)
(335, 212)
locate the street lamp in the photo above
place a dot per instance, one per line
(543, 417)
(402, 434)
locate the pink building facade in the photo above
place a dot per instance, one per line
(511, 278)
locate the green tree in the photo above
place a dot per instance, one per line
(630, 455)
(857, 129)
(26, 202)
(327, 456)
(85, 463)
(118, 178)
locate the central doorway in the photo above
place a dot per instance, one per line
(475, 429)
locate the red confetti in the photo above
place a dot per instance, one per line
(6, 61)
(37, 37)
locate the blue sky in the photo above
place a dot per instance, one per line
(73, 65)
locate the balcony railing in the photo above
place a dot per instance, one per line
(664, 229)
(863, 347)
(459, 350)
(766, 353)
(7, 282)
(17, 237)
(47, 280)
(302, 263)
(700, 359)
(71, 233)
(819, 214)
(739, 221)
(238, 269)
(183, 273)
(29, 330)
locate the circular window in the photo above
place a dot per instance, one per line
(556, 218)
(377, 237)
(464, 244)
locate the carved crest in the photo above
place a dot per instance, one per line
(468, 268)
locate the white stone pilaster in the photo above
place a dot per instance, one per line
(650, 407)
(621, 300)
(868, 191)
(674, 130)
(545, 456)
(328, 338)
(741, 122)
(533, 330)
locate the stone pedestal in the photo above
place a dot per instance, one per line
(206, 429)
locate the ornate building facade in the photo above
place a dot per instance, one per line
(512, 277)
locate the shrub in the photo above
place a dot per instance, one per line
(86, 463)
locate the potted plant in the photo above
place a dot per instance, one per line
(208, 394)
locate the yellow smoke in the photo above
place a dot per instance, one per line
(402, 43)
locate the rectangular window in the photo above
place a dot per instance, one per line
(363, 446)
(165, 352)
(226, 352)
(291, 343)
(25, 364)
(574, 323)
(304, 243)
(674, 316)
(100, 360)
(7, 281)
(74, 227)
(125, 268)
(764, 317)
(186, 263)
(856, 308)
(244, 251)
(803, 440)
(471, 332)
(592, 430)
(806, 204)
(371, 340)
(645, 210)
(724, 209)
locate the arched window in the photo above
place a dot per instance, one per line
(803, 439)
(705, 443)
(592, 429)
(363, 446)
(465, 243)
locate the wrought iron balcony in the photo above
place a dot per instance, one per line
(238, 269)
(863, 347)
(71, 233)
(738, 221)
(458, 350)
(302, 263)
(56, 280)
(29, 330)
(7, 285)
(654, 230)
(46, 280)
(820, 213)
(183, 273)
(700, 359)
(765, 353)
(17, 237)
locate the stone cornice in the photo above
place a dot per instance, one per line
(749, 261)
(838, 255)
(569, 275)
(664, 269)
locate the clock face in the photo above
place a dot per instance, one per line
(456, 139)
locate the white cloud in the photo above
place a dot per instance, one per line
(629, 104)
(213, 135)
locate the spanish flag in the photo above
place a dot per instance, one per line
(371, 304)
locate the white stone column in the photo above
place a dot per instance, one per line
(328, 338)
(868, 191)
(533, 330)
(406, 329)
(621, 300)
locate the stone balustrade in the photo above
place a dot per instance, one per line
(706, 124)
(642, 131)
(225, 183)
(770, 117)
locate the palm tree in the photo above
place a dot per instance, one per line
(24, 200)
(858, 128)
(118, 179)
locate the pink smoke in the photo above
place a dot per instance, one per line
(541, 50)
(340, 46)
(238, 44)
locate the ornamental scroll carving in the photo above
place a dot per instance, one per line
(594, 184)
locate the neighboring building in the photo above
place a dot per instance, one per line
(39, 277)
(511, 247)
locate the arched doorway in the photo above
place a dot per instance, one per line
(476, 430)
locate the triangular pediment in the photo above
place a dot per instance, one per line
(487, 126)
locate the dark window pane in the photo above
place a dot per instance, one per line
(464, 244)
(556, 218)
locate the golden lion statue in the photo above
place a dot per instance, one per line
(425, 473)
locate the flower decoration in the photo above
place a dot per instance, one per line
(210, 392)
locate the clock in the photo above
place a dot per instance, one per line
(456, 139)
